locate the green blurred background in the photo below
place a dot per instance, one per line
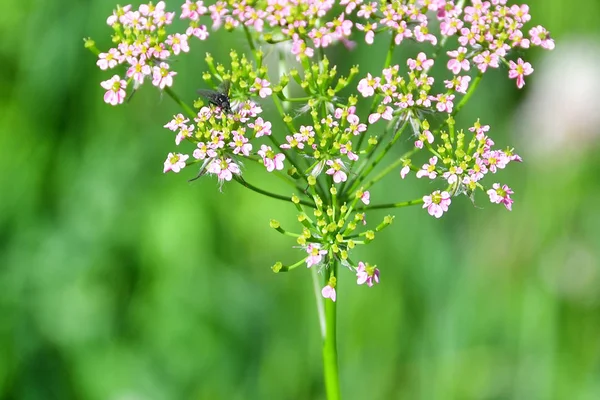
(119, 282)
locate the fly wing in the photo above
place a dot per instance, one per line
(224, 87)
(208, 94)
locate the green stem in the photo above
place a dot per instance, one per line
(391, 205)
(188, 110)
(390, 168)
(468, 95)
(269, 194)
(376, 161)
(330, 362)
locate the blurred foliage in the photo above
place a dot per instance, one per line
(119, 282)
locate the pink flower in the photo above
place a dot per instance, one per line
(138, 69)
(501, 195)
(260, 127)
(458, 61)
(109, 60)
(519, 71)
(486, 59)
(328, 292)
(224, 169)
(452, 174)
(161, 76)
(201, 32)
(271, 160)
(383, 111)
(177, 122)
(366, 274)
(240, 144)
(185, 132)
(437, 204)
(193, 10)
(315, 254)
(367, 85)
(337, 170)
(178, 43)
(425, 136)
(428, 169)
(366, 197)
(175, 162)
(262, 87)
(479, 130)
(115, 90)
(404, 171)
(444, 102)
(204, 151)
(421, 63)
(541, 37)
(300, 49)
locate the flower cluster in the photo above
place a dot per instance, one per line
(329, 235)
(486, 30)
(144, 46)
(222, 141)
(399, 95)
(324, 143)
(462, 166)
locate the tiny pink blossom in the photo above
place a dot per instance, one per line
(300, 49)
(458, 61)
(240, 144)
(383, 111)
(337, 170)
(261, 127)
(109, 60)
(445, 102)
(519, 70)
(177, 122)
(425, 136)
(224, 169)
(178, 43)
(328, 292)
(115, 90)
(138, 69)
(203, 151)
(500, 194)
(421, 63)
(262, 87)
(486, 59)
(175, 162)
(367, 85)
(161, 76)
(315, 254)
(452, 174)
(271, 160)
(366, 274)
(437, 204)
(541, 37)
(366, 197)
(185, 132)
(404, 171)
(428, 169)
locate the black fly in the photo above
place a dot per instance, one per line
(219, 97)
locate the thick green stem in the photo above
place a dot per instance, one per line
(330, 362)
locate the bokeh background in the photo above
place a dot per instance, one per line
(119, 282)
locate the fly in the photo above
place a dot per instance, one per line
(219, 97)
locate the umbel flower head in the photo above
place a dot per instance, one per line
(326, 147)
